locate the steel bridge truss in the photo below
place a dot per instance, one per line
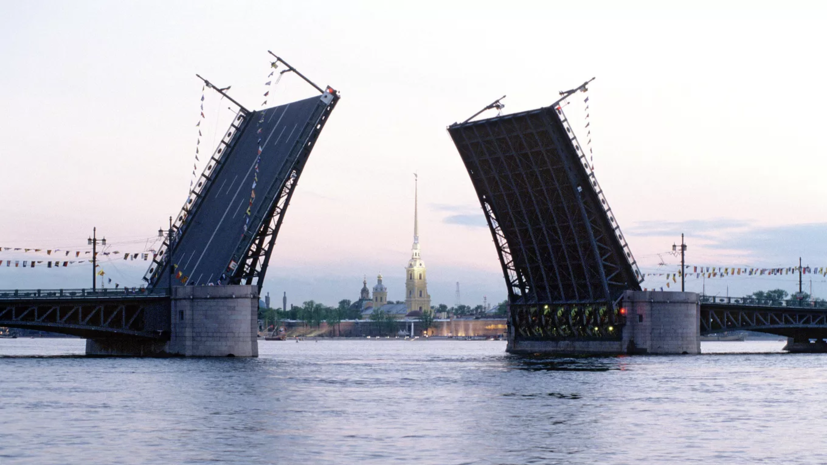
(565, 261)
(784, 321)
(251, 258)
(561, 322)
(145, 317)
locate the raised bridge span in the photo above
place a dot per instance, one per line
(573, 283)
(201, 289)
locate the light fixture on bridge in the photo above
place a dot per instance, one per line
(683, 263)
(94, 241)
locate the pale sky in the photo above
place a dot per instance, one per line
(706, 119)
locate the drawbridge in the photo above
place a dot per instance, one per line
(565, 260)
(223, 235)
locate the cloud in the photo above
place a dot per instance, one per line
(778, 242)
(474, 221)
(725, 238)
(463, 215)
(706, 229)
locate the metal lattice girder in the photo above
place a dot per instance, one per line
(562, 322)
(781, 320)
(146, 317)
(556, 237)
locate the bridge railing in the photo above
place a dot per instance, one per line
(68, 294)
(752, 301)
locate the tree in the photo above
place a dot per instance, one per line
(305, 312)
(774, 296)
(385, 322)
(348, 311)
(502, 309)
(461, 310)
(427, 319)
(318, 314)
(442, 308)
(334, 317)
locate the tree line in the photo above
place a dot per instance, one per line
(313, 313)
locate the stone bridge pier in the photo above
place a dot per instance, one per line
(205, 321)
(656, 323)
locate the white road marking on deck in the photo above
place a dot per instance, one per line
(188, 261)
(239, 207)
(231, 184)
(199, 279)
(273, 114)
(206, 247)
(219, 189)
(265, 143)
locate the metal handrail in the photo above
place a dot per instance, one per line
(120, 293)
(792, 303)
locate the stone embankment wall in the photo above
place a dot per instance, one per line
(362, 328)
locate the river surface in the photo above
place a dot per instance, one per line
(422, 402)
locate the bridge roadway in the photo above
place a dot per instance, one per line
(137, 313)
(87, 313)
(202, 254)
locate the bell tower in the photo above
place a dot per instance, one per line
(380, 293)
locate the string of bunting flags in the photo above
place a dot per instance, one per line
(267, 87)
(198, 141)
(54, 264)
(142, 255)
(708, 272)
(589, 132)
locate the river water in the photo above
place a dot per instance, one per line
(422, 402)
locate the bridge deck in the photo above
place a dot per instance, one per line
(213, 231)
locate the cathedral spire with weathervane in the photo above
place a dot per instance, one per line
(416, 285)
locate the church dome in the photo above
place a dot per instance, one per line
(365, 294)
(379, 287)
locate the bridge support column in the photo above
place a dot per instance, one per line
(656, 323)
(205, 321)
(214, 321)
(661, 323)
(800, 343)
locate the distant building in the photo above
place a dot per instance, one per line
(416, 284)
(417, 298)
(364, 301)
(380, 293)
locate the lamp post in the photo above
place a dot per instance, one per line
(94, 241)
(168, 252)
(683, 263)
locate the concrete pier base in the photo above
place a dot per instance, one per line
(804, 346)
(656, 323)
(205, 321)
(126, 347)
